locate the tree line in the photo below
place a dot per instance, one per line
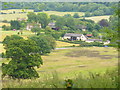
(90, 9)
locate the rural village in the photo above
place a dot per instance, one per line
(59, 45)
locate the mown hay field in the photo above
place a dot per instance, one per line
(10, 17)
(63, 13)
(64, 44)
(7, 24)
(98, 18)
(16, 10)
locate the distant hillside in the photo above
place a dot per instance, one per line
(90, 9)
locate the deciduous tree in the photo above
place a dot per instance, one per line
(24, 56)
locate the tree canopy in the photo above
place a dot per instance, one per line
(24, 56)
(45, 42)
(95, 8)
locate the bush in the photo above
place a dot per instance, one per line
(74, 42)
(7, 28)
(5, 21)
(76, 15)
(45, 42)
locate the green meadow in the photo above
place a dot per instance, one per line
(94, 67)
(87, 67)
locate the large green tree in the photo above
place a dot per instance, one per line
(112, 31)
(43, 19)
(24, 56)
(15, 24)
(36, 29)
(46, 43)
(32, 17)
(7, 39)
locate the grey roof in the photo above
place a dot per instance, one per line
(52, 25)
(73, 34)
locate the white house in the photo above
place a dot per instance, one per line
(74, 36)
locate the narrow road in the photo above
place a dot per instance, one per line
(64, 48)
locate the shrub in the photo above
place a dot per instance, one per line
(7, 28)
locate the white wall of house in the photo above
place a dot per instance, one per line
(78, 38)
(29, 27)
(65, 37)
(83, 38)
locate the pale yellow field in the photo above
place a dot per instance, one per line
(1, 48)
(63, 13)
(9, 17)
(64, 44)
(3, 34)
(98, 18)
(7, 24)
(16, 10)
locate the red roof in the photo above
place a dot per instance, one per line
(89, 35)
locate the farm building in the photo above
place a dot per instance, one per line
(89, 35)
(83, 28)
(94, 40)
(74, 36)
(52, 26)
(107, 42)
(21, 19)
(32, 25)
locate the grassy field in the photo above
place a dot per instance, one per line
(69, 62)
(98, 18)
(93, 80)
(5, 33)
(73, 60)
(86, 69)
(64, 44)
(9, 17)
